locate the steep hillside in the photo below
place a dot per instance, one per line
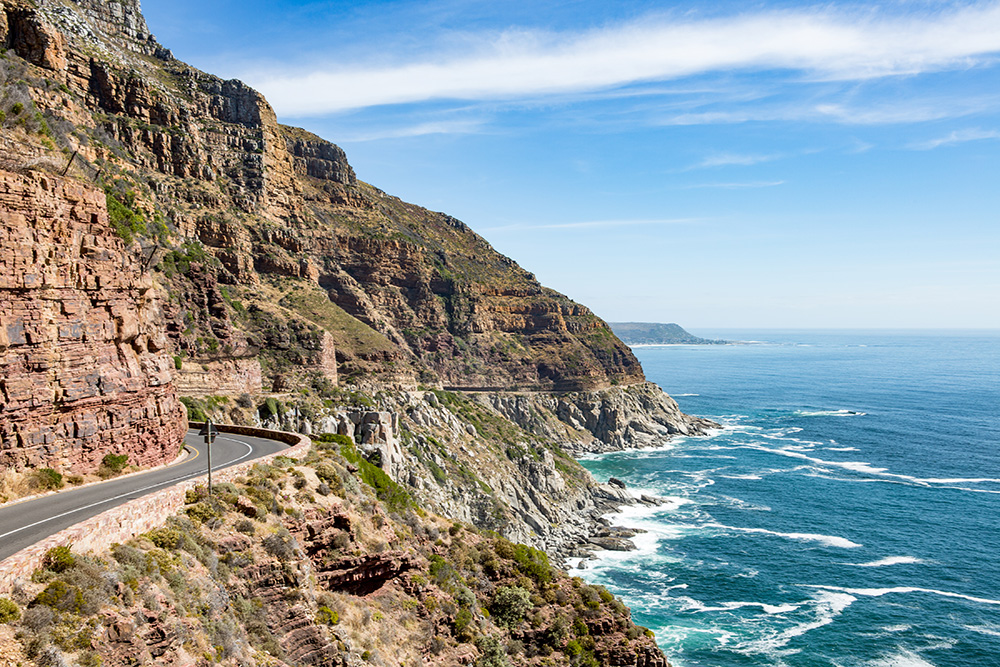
(288, 292)
(301, 565)
(244, 210)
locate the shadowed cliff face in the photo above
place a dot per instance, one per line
(275, 207)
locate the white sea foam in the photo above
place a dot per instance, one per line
(879, 592)
(903, 627)
(843, 449)
(770, 609)
(744, 505)
(751, 476)
(829, 413)
(827, 607)
(827, 540)
(891, 560)
(867, 468)
(903, 658)
(988, 629)
(685, 394)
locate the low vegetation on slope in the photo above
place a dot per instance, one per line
(299, 563)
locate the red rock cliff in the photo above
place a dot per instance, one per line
(83, 369)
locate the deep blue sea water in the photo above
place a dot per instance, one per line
(847, 515)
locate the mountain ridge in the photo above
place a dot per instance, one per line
(657, 333)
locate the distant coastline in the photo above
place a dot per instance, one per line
(642, 334)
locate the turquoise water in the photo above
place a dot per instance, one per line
(847, 514)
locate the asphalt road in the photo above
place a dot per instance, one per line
(23, 524)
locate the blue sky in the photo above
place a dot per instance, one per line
(733, 164)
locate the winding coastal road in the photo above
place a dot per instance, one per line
(23, 524)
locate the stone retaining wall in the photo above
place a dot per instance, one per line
(140, 515)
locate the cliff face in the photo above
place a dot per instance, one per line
(83, 365)
(270, 206)
(618, 418)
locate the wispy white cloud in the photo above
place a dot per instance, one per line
(418, 130)
(735, 159)
(593, 224)
(956, 137)
(733, 186)
(875, 113)
(824, 43)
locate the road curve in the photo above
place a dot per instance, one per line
(23, 524)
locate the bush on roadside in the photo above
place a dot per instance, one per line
(47, 479)
(9, 611)
(112, 465)
(59, 559)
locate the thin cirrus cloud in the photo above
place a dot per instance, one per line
(823, 43)
(956, 137)
(877, 113)
(418, 130)
(594, 224)
(733, 186)
(733, 159)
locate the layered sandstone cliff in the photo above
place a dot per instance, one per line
(83, 365)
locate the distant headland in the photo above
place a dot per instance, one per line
(657, 333)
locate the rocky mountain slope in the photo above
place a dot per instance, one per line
(273, 218)
(202, 248)
(279, 269)
(301, 565)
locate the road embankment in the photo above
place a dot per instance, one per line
(141, 514)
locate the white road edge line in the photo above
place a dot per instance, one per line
(118, 497)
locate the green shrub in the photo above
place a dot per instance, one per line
(395, 497)
(462, 625)
(591, 597)
(327, 616)
(533, 563)
(126, 221)
(165, 538)
(493, 653)
(59, 559)
(178, 362)
(48, 479)
(195, 409)
(510, 604)
(115, 462)
(60, 595)
(17, 108)
(9, 611)
(573, 648)
(331, 442)
(272, 408)
(203, 511)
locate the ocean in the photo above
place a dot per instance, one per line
(847, 513)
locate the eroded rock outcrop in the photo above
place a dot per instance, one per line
(83, 365)
(640, 415)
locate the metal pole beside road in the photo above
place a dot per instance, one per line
(209, 431)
